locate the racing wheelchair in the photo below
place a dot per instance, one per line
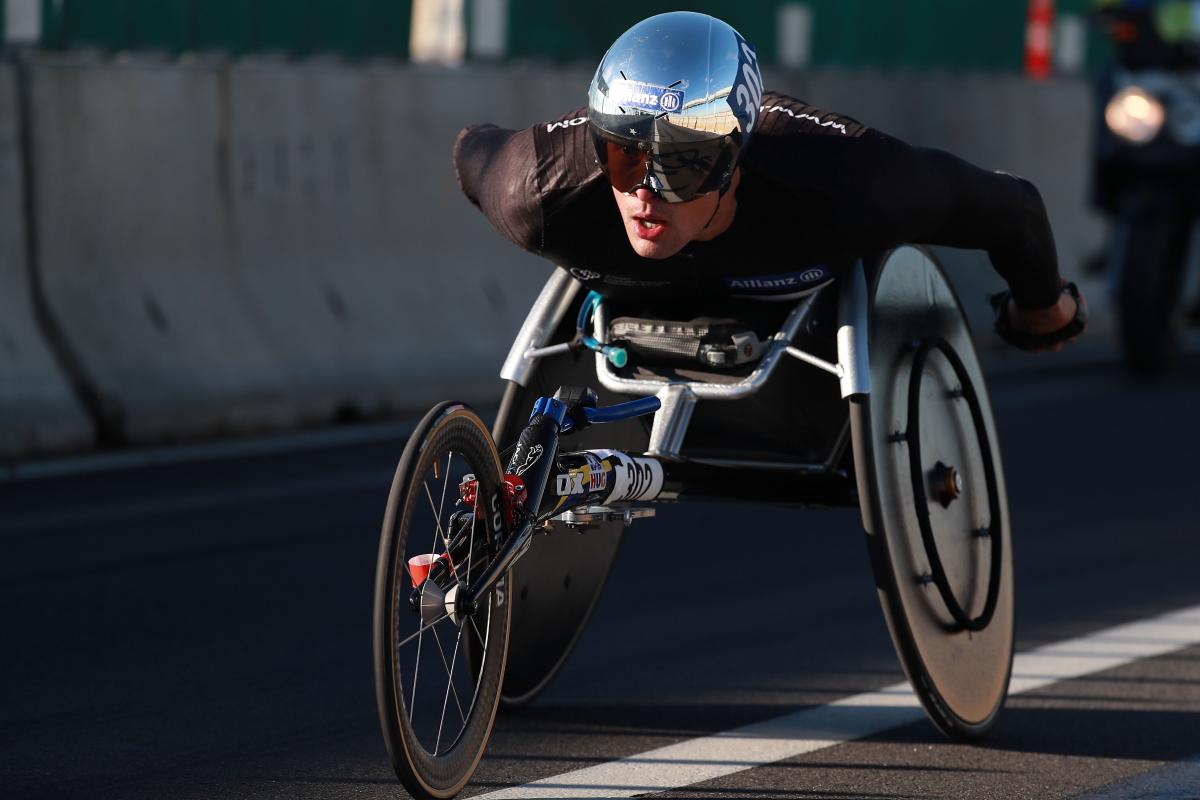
(866, 392)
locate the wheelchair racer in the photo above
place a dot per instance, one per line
(655, 189)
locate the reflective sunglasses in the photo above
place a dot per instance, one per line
(675, 171)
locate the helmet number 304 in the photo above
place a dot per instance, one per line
(749, 90)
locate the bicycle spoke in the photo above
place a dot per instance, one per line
(446, 700)
(471, 538)
(419, 631)
(437, 520)
(438, 531)
(445, 483)
(482, 640)
(449, 674)
(412, 704)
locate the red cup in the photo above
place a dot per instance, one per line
(418, 567)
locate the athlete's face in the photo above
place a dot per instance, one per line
(658, 229)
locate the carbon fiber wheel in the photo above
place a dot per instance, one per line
(438, 672)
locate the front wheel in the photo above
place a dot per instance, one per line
(438, 671)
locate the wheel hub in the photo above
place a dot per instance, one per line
(438, 603)
(947, 484)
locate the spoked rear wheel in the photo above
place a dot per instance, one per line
(438, 671)
(934, 502)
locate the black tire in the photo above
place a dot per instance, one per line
(944, 573)
(435, 751)
(1151, 273)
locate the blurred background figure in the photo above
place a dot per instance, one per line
(1147, 169)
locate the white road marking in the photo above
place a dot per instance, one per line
(812, 729)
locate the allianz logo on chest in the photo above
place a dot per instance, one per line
(776, 282)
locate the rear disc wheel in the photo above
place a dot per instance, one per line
(934, 500)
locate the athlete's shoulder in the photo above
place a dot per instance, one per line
(537, 160)
(566, 158)
(783, 115)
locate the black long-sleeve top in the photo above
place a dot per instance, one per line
(818, 190)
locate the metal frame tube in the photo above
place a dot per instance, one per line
(671, 421)
(540, 323)
(852, 348)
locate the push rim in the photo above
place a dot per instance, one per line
(994, 529)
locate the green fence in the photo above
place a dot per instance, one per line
(355, 28)
(987, 35)
(971, 35)
(952, 34)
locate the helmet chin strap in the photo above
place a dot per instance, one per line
(720, 197)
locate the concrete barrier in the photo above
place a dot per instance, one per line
(39, 412)
(134, 232)
(377, 286)
(261, 245)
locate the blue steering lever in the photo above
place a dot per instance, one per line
(615, 355)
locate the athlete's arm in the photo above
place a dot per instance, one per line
(496, 170)
(932, 197)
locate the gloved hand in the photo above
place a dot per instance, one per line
(1042, 329)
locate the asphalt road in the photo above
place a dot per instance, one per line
(202, 629)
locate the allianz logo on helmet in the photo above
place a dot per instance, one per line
(642, 96)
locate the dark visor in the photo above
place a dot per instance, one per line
(676, 171)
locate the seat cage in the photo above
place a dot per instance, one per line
(678, 397)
